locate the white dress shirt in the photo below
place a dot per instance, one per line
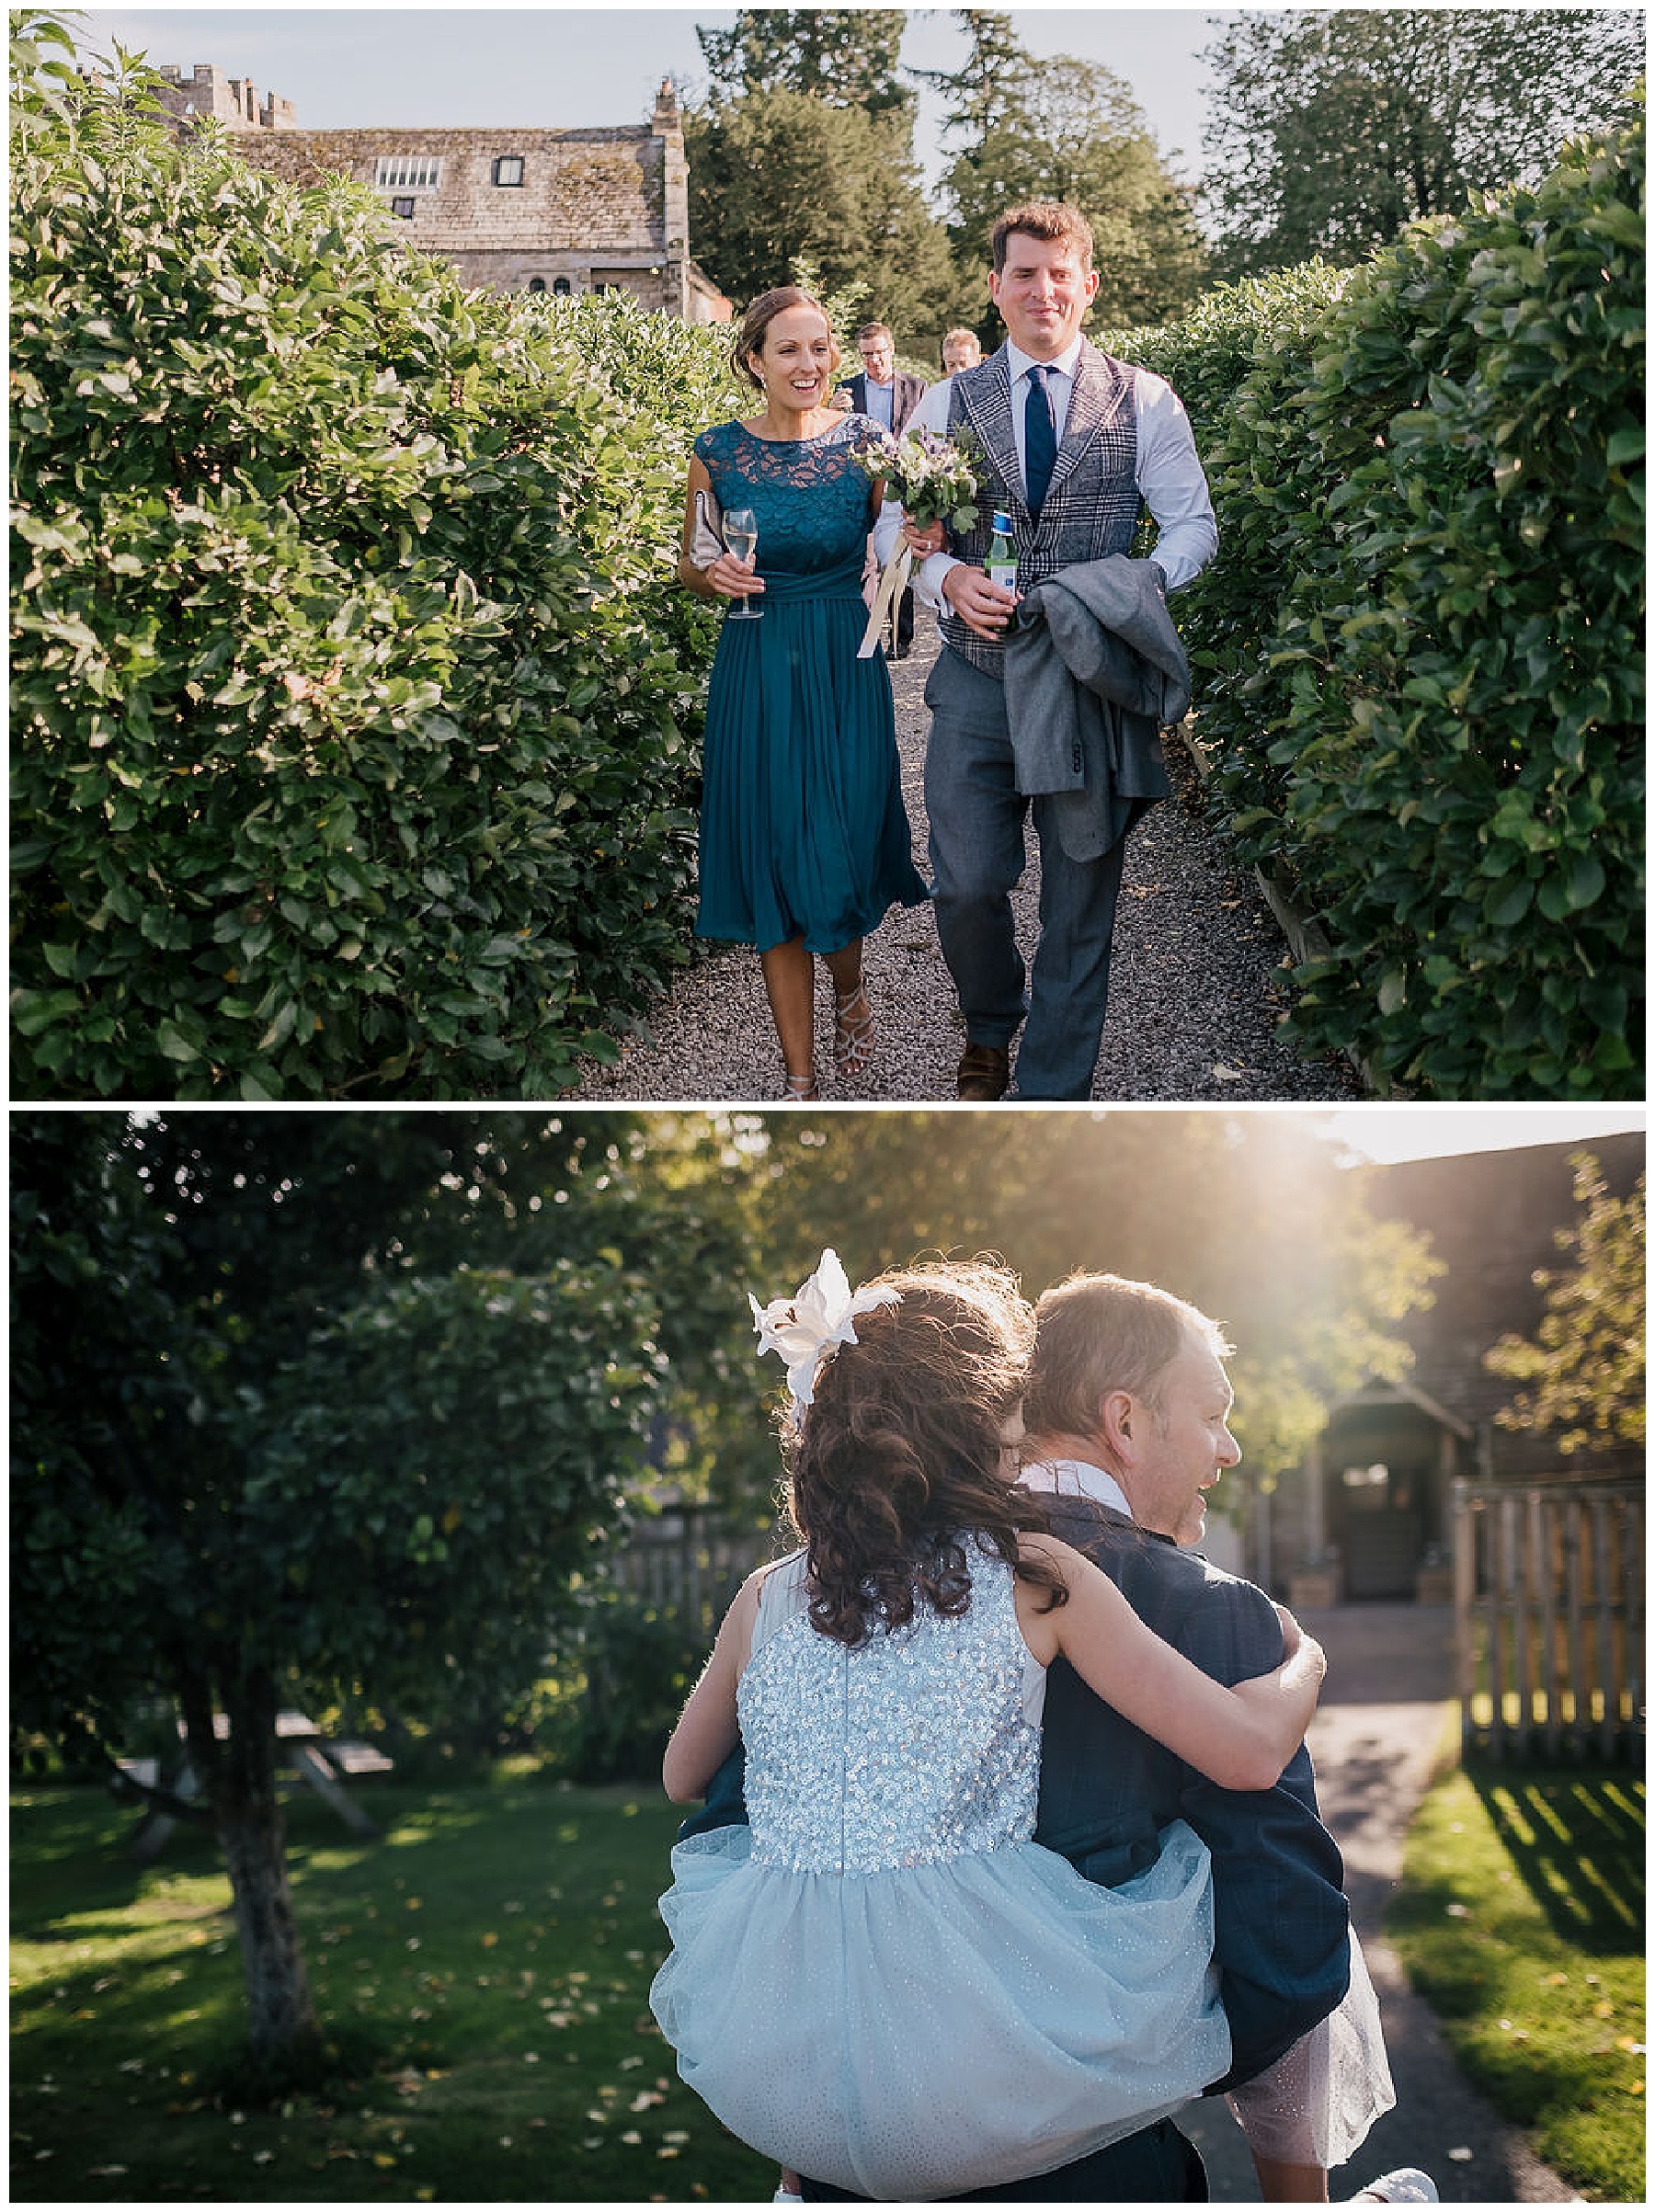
(1169, 476)
(1075, 1478)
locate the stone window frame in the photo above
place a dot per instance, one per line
(407, 173)
(402, 206)
(502, 161)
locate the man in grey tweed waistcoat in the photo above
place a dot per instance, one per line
(1076, 444)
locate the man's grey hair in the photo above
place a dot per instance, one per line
(1095, 1334)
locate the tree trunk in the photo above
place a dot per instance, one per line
(240, 1782)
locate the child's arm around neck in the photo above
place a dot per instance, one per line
(1241, 1739)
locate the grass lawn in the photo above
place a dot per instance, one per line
(495, 1950)
(1521, 1922)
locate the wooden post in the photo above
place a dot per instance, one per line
(1523, 1635)
(1603, 1597)
(1632, 1625)
(1579, 1724)
(1542, 1578)
(1462, 1538)
(1496, 1626)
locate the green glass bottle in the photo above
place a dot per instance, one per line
(1001, 562)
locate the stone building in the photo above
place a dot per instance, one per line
(1370, 1506)
(605, 208)
(208, 94)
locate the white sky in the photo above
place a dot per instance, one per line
(561, 67)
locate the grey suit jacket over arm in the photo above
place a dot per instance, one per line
(1281, 1923)
(1094, 666)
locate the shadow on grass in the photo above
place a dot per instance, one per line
(1578, 1841)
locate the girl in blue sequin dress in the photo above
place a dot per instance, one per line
(882, 1981)
(804, 844)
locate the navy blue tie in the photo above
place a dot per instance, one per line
(1040, 439)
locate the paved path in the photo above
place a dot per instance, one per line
(1383, 1726)
(1196, 984)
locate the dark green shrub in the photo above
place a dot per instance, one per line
(355, 716)
(641, 1661)
(1420, 642)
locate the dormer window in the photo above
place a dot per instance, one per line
(508, 169)
(408, 172)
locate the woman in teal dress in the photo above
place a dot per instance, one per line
(804, 843)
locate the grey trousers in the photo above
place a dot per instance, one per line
(977, 854)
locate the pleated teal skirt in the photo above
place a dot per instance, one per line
(803, 829)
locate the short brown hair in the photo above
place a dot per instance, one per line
(897, 1461)
(1099, 1333)
(1052, 220)
(757, 319)
(875, 330)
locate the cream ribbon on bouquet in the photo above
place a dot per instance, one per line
(936, 479)
(893, 582)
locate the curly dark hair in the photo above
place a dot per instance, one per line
(897, 1461)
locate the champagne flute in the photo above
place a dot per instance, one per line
(741, 536)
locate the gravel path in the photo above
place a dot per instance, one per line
(1194, 1002)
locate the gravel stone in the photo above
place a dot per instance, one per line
(1196, 994)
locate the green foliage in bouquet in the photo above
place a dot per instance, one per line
(355, 718)
(1422, 634)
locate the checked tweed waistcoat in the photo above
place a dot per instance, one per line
(1091, 504)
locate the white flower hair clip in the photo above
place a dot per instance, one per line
(806, 1327)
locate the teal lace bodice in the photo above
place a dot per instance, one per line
(812, 501)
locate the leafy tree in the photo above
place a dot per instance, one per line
(1583, 1369)
(286, 1423)
(1239, 1214)
(1070, 130)
(1065, 128)
(851, 58)
(1332, 128)
(979, 96)
(777, 176)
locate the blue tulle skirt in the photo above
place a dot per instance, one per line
(917, 2033)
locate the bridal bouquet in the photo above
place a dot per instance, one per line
(936, 479)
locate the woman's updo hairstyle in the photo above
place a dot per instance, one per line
(749, 337)
(898, 1457)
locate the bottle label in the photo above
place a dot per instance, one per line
(1001, 571)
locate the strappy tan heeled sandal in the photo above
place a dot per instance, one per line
(852, 1040)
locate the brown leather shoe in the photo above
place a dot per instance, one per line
(985, 1072)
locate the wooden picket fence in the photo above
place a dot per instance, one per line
(693, 1569)
(1548, 1580)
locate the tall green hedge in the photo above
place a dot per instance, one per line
(355, 716)
(1421, 638)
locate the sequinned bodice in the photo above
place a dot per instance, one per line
(809, 495)
(913, 1749)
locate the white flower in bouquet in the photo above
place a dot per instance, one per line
(935, 476)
